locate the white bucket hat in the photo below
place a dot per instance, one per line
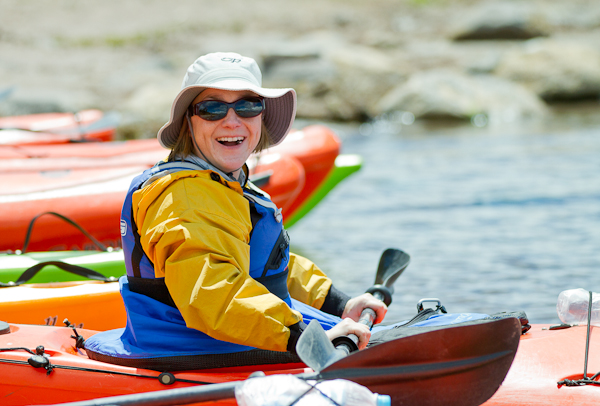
(230, 71)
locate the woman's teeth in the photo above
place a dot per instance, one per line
(230, 140)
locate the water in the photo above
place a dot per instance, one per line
(495, 220)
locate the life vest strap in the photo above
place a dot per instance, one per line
(153, 288)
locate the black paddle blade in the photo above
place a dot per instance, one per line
(453, 366)
(391, 265)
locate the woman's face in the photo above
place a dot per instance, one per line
(226, 143)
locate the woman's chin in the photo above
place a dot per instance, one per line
(230, 166)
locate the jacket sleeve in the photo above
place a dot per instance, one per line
(306, 282)
(196, 233)
(309, 285)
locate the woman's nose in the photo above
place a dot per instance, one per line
(231, 119)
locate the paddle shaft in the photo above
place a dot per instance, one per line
(168, 397)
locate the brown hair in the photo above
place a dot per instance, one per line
(184, 145)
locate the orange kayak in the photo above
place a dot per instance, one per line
(90, 304)
(56, 128)
(546, 357)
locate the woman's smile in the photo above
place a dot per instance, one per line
(230, 141)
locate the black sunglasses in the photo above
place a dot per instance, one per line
(213, 110)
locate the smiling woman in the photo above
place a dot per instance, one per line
(209, 272)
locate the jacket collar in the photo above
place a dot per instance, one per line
(242, 179)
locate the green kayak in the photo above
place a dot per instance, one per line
(345, 165)
(58, 266)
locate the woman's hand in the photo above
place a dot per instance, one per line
(355, 306)
(349, 326)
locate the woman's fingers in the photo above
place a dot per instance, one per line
(347, 327)
(357, 304)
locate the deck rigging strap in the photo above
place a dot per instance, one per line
(98, 244)
(29, 273)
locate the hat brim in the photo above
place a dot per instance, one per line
(278, 116)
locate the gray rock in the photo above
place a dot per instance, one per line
(364, 74)
(500, 21)
(554, 70)
(334, 79)
(148, 109)
(312, 78)
(448, 94)
(32, 100)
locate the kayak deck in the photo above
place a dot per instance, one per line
(546, 357)
(75, 377)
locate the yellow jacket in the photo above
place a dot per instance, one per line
(196, 232)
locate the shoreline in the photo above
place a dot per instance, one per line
(349, 61)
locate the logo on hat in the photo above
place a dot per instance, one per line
(232, 60)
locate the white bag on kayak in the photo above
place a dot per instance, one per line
(285, 390)
(573, 304)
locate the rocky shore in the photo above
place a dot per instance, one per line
(485, 61)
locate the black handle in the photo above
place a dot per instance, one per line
(349, 343)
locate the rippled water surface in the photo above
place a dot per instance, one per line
(494, 220)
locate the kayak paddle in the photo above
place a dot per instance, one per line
(315, 349)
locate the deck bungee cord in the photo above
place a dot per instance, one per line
(166, 378)
(97, 243)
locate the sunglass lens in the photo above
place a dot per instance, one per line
(211, 110)
(249, 107)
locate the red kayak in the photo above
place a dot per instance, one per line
(56, 128)
(87, 183)
(449, 367)
(93, 199)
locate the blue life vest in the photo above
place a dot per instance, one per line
(155, 327)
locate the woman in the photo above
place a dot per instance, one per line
(208, 263)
